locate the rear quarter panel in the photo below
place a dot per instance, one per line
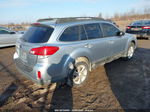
(68, 52)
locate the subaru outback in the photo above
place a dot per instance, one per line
(67, 49)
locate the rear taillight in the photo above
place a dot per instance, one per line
(44, 51)
(146, 27)
(128, 27)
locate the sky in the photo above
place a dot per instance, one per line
(17, 11)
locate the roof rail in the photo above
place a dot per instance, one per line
(69, 19)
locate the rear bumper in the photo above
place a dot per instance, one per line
(143, 35)
(50, 72)
(31, 72)
(139, 34)
(28, 76)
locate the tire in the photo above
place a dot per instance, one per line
(130, 51)
(79, 74)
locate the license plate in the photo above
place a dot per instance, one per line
(23, 56)
(136, 29)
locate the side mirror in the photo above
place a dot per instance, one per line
(12, 32)
(120, 33)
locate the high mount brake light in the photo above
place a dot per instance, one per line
(44, 51)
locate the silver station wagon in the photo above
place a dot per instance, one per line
(67, 49)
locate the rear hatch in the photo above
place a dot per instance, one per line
(135, 29)
(37, 36)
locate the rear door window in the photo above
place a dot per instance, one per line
(38, 34)
(70, 34)
(109, 30)
(93, 31)
(74, 33)
(82, 34)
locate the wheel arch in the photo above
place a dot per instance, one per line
(131, 40)
(77, 55)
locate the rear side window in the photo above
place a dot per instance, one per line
(74, 33)
(38, 34)
(109, 30)
(93, 31)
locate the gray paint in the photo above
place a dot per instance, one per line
(55, 67)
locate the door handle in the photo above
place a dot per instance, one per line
(88, 45)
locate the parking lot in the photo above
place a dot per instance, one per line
(118, 85)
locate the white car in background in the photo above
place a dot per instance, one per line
(8, 37)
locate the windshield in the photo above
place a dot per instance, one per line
(38, 34)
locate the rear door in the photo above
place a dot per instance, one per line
(116, 43)
(89, 38)
(96, 43)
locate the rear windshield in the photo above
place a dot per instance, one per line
(38, 34)
(137, 23)
(141, 23)
(146, 22)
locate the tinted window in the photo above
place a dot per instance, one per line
(109, 30)
(93, 31)
(82, 35)
(146, 22)
(141, 23)
(38, 34)
(74, 33)
(137, 23)
(3, 32)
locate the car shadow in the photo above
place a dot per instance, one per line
(7, 93)
(62, 99)
(130, 80)
(10, 89)
(13, 87)
(141, 38)
(7, 47)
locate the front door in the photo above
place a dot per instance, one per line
(116, 43)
